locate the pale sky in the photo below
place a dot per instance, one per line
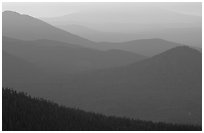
(53, 9)
(116, 16)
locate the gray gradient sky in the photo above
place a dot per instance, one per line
(53, 9)
(119, 17)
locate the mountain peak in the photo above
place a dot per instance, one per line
(181, 50)
(25, 27)
(10, 12)
(179, 57)
(175, 57)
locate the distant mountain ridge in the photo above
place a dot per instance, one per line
(25, 27)
(60, 57)
(147, 47)
(191, 36)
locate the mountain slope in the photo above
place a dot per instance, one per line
(38, 114)
(25, 27)
(166, 87)
(59, 57)
(13, 67)
(15, 70)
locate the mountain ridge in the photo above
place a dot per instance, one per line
(26, 27)
(147, 47)
(67, 58)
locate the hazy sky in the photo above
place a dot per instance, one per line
(122, 16)
(53, 9)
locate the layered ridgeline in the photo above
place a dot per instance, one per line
(21, 112)
(28, 28)
(166, 87)
(59, 57)
(17, 70)
(25, 27)
(105, 26)
(189, 35)
(147, 47)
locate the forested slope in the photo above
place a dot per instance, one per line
(23, 112)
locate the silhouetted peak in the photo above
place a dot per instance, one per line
(8, 12)
(9, 16)
(179, 53)
(181, 49)
(13, 14)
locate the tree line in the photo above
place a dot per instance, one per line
(21, 112)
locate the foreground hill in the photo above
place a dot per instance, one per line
(21, 112)
(166, 87)
(60, 57)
